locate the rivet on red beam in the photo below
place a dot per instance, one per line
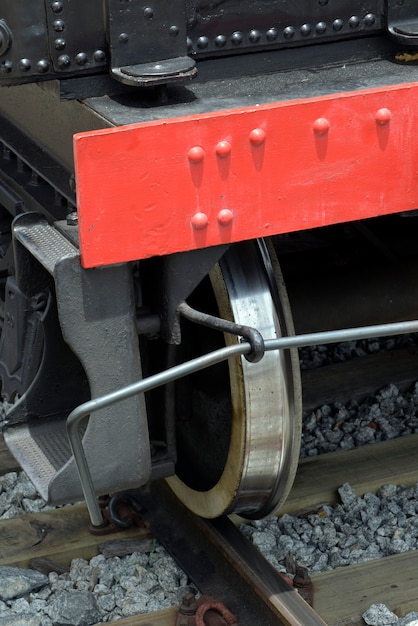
(225, 217)
(199, 221)
(383, 116)
(223, 149)
(257, 136)
(321, 126)
(196, 154)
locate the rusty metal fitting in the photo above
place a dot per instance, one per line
(213, 613)
(287, 578)
(103, 501)
(203, 612)
(303, 583)
(120, 511)
(124, 511)
(188, 604)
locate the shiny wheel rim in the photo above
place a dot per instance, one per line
(259, 465)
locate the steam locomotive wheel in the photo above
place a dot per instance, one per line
(239, 424)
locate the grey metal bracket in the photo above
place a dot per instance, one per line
(148, 43)
(402, 21)
(96, 317)
(179, 274)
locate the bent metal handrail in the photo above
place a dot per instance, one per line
(194, 365)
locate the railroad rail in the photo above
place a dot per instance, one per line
(222, 563)
(340, 596)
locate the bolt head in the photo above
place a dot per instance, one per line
(72, 219)
(188, 605)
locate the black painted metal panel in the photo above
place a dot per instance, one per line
(63, 38)
(231, 26)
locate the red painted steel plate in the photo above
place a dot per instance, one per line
(180, 184)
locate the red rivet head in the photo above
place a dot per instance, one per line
(223, 149)
(199, 221)
(257, 136)
(196, 154)
(225, 217)
(383, 116)
(321, 126)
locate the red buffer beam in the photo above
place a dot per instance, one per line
(167, 186)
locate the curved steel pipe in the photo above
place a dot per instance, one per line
(252, 335)
(194, 365)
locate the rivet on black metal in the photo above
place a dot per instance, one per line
(6, 66)
(202, 43)
(64, 61)
(288, 32)
(24, 65)
(57, 7)
(42, 66)
(59, 25)
(237, 38)
(99, 56)
(369, 19)
(81, 58)
(254, 36)
(220, 41)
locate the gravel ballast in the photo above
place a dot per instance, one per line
(388, 415)
(100, 590)
(356, 530)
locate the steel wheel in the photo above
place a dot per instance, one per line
(238, 426)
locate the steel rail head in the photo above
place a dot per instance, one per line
(233, 571)
(194, 365)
